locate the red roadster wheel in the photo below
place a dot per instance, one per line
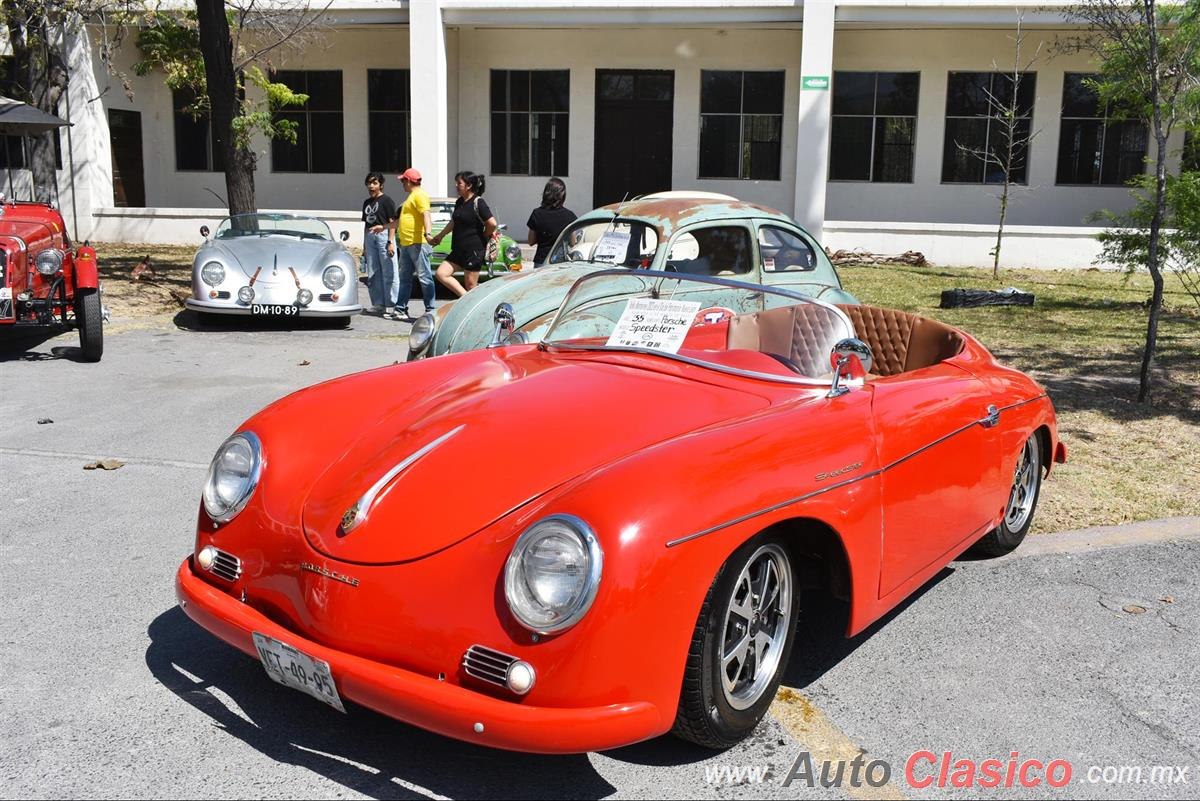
(1022, 501)
(91, 325)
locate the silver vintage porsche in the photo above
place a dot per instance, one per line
(274, 265)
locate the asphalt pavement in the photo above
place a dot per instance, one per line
(1081, 649)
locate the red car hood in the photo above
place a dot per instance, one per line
(498, 435)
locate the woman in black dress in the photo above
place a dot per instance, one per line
(473, 225)
(549, 219)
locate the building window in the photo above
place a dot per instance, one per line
(319, 144)
(14, 150)
(975, 127)
(530, 114)
(1093, 149)
(1191, 152)
(195, 148)
(388, 120)
(874, 126)
(741, 124)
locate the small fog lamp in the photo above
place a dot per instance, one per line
(520, 677)
(245, 294)
(303, 297)
(206, 557)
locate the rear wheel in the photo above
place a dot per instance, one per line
(1022, 501)
(91, 325)
(740, 646)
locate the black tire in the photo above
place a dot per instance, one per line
(1022, 503)
(90, 322)
(706, 715)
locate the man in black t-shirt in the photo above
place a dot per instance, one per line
(379, 245)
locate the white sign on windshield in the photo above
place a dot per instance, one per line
(654, 324)
(612, 246)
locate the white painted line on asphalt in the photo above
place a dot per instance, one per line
(419, 790)
(824, 741)
(91, 457)
(1099, 538)
(338, 758)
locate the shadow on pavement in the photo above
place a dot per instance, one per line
(22, 346)
(362, 750)
(189, 320)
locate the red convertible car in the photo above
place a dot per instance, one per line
(691, 452)
(44, 280)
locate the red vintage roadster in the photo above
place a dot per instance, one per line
(677, 459)
(44, 280)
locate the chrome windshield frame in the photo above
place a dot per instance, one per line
(547, 345)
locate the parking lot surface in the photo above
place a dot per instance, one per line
(1081, 654)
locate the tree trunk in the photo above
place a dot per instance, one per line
(225, 103)
(41, 79)
(1000, 228)
(1160, 208)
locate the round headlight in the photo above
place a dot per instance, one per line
(303, 297)
(513, 253)
(212, 273)
(553, 573)
(421, 333)
(49, 261)
(246, 294)
(232, 476)
(334, 277)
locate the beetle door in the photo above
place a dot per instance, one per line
(940, 464)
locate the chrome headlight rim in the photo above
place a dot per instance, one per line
(422, 333)
(326, 277)
(250, 484)
(49, 261)
(513, 571)
(217, 266)
(513, 253)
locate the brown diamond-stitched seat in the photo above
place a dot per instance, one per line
(902, 342)
(804, 333)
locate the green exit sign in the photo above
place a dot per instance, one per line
(815, 81)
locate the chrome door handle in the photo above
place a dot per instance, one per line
(992, 418)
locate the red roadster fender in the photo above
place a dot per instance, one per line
(423, 701)
(86, 273)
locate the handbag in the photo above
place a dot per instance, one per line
(491, 248)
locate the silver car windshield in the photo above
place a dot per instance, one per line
(241, 225)
(616, 243)
(721, 324)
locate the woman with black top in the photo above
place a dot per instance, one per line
(548, 220)
(473, 225)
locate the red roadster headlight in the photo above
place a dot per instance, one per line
(553, 573)
(232, 476)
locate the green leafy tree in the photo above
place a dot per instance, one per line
(1149, 55)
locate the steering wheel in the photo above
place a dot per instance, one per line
(788, 363)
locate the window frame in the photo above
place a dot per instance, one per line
(210, 142)
(874, 116)
(742, 225)
(989, 118)
(530, 114)
(306, 133)
(1105, 122)
(741, 114)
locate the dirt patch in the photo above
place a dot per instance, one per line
(142, 281)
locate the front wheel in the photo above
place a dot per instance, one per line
(1022, 501)
(91, 326)
(740, 646)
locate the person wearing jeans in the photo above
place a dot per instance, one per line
(414, 254)
(379, 220)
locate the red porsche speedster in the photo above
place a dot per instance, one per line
(686, 452)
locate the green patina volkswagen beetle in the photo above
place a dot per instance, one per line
(688, 232)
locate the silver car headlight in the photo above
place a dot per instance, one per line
(553, 573)
(213, 273)
(421, 333)
(334, 277)
(513, 253)
(49, 261)
(233, 476)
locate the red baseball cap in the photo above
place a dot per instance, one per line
(411, 174)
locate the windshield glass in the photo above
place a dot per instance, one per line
(726, 325)
(617, 243)
(273, 225)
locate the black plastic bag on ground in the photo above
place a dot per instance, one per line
(961, 298)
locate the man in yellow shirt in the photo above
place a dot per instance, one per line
(413, 253)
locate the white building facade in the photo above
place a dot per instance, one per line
(850, 115)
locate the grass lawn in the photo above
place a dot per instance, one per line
(1082, 339)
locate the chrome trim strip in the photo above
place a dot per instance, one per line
(362, 509)
(840, 484)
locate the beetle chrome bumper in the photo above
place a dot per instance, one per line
(231, 307)
(422, 701)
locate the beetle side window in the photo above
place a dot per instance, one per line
(784, 251)
(721, 250)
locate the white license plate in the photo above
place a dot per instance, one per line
(297, 670)
(273, 310)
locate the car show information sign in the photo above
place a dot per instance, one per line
(654, 324)
(612, 246)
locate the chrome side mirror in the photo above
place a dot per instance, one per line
(506, 322)
(204, 231)
(344, 235)
(850, 359)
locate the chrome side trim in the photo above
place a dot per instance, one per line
(357, 514)
(487, 664)
(840, 484)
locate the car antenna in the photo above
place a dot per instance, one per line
(611, 224)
